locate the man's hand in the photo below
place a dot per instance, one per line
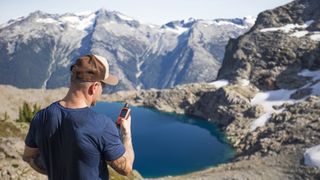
(124, 164)
(125, 125)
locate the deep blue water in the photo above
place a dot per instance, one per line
(169, 144)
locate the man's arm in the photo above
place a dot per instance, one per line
(30, 155)
(123, 165)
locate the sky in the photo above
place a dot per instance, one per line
(146, 11)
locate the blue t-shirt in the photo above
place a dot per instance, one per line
(74, 143)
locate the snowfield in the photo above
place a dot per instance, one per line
(296, 30)
(268, 99)
(312, 156)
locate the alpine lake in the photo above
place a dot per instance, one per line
(167, 144)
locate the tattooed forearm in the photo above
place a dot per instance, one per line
(120, 165)
(124, 164)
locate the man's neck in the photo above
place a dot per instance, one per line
(75, 100)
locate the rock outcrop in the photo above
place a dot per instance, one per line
(176, 99)
(271, 58)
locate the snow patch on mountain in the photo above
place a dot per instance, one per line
(288, 28)
(47, 20)
(244, 82)
(124, 17)
(50, 69)
(12, 21)
(249, 20)
(315, 82)
(177, 30)
(139, 72)
(78, 22)
(296, 30)
(223, 22)
(312, 156)
(315, 36)
(299, 34)
(220, 83)
(269, 99)
(119, 29)
(11, 48)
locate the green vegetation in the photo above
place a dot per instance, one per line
(27, 111)
(5, 116)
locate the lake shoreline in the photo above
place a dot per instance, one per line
(179, 144)
(232, 103)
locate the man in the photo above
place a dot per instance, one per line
(68, 140)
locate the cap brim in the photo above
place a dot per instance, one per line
(111, 80)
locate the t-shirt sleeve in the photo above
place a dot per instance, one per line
(30, 140)
(112, 146)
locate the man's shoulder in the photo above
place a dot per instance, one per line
(38, 114)
(82, 113)
(43, 112)
(52, 107)
(101, 117)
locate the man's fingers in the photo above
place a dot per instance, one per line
(128, 119)
(129, 113)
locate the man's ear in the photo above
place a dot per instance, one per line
(93, 88)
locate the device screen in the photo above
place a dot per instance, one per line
(123, 112)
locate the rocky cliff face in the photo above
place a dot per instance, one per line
(283, 42)
(282, 45)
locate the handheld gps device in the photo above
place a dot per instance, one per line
(124, 113)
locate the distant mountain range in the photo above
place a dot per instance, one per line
(36, 51)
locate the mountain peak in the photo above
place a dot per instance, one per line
(114, 15)
(250, 20)
(186, 23)
(41, 14)
(37, 12)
